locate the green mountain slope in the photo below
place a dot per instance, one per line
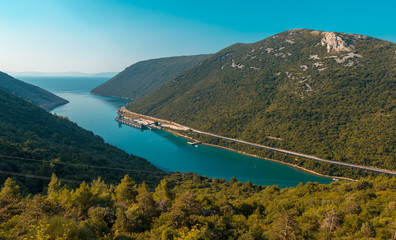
(36, 95)
(145, 76)
(327, 94)
(35, 142)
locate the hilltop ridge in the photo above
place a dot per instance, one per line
(145, 76)
(327, 94)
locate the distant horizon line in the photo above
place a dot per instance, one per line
(60, 74)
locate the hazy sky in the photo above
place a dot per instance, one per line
(109, 35)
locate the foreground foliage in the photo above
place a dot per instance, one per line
(188, 206)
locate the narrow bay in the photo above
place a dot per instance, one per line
(164, 150)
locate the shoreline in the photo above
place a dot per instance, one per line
(97, 94)
(175, 128)
(263, 158)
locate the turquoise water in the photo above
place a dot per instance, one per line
(164, 150)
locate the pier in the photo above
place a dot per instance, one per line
(138, 123)
(129, 122)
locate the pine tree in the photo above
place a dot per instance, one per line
(54, 187)
(163, 195)
(10, 191)
(146, 202)
(125, 192)
(184, 207)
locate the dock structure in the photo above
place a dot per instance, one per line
(151, 126)
(138, 123)
(130, 122)
(154, 122)
(193, 143)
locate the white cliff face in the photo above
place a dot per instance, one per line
(335, 43)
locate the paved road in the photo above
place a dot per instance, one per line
(372, 169)
(191, 130)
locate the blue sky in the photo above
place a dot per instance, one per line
(109, 35)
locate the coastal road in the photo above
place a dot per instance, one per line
(179, 127)
(372, 169)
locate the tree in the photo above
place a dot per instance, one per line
(163, 195)
(184, 207)
(146, 203)
(330, 223)
(100, 188)
(285, 226)
(10, 197)
(367, 230)
(125, 192)
(81, 200)
(232, 180)
(101, 218)
(53, 187)
(10, 191)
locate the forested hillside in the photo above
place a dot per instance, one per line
(188, 206)
(36, 95)
(35, 142)
(145, 76)
(327, 94)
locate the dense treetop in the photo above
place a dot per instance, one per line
(331, 95)
(36, 95)
(145, 76)
(188, 206)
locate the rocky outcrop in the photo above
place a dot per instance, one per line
(335, 43)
